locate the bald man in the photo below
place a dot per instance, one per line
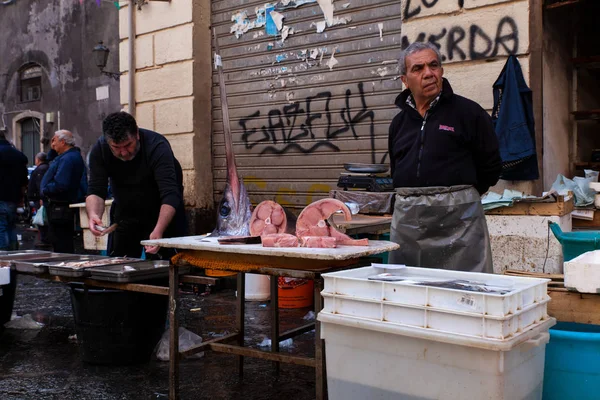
(64, 183)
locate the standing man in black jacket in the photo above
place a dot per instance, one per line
(147, 185)
(13, 182)
(443, 156)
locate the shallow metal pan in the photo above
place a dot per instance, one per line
(134, 272)
(64, 269)
(366, 168)
(39, 265)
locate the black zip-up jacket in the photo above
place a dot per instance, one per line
(13, 173)
(455, 144)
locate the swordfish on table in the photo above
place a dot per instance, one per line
(233, 213)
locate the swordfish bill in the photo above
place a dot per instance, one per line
(233, 214)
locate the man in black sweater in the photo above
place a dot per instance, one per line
(147, 185)
(443, 156)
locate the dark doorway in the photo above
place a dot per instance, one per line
(30, 138)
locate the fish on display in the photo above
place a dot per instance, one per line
(233, 213)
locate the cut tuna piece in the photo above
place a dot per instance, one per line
(312, 221)
(269, 218)
(279, 240)
(321, 242)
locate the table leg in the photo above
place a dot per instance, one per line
(173, 333)
(241, 309)
(320, 367)
(275, 320)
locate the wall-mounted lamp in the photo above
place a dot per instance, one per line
(50, 117)
(101, 56)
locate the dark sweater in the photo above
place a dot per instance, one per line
(64, 179)
(454, 145)
(140, 186)
(13, 173)
(35, 182)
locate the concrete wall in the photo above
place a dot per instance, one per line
(474, 40)
(59, 35)
(173, 86)
(557, 94)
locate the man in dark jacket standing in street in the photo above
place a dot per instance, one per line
(62, 185)
(34, 192)
(443, 155)
(13, 181)
(147, 185)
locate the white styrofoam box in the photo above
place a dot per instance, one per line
(519, 242)
(582, 273)
(84, 222)
(595, 186)
(523, 293)
(93, 242)
(366, 360)
(5, 275)
(455, 322)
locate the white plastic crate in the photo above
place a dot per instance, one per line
(583, 272)
(462, 312)
(371, 360)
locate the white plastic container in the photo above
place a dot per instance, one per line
(257, 287)
(371, 360)
(486, 315)
(4, 275)
(583, 272)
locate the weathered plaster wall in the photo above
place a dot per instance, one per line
(59, 35)
(172, 85)
(474, 37)
(557, 93)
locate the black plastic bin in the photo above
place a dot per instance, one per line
(117, 327)
(7, 300)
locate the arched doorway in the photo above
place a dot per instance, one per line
(30, 138)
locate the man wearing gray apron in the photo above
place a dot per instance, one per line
(443, 156)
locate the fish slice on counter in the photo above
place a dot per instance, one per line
(313, 221)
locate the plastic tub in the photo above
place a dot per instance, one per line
(295, 293)
(576, 243)
(573, 362)
(366, 360)
(116, 327)
(7, 299)
(258, 287)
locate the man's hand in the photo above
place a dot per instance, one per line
(95, 221)
(156, 234)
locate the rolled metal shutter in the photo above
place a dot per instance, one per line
(302, 107)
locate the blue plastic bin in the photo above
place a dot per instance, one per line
(576, 243)
(572, 370)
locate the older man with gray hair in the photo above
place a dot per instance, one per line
(64, 183)
(443, 156)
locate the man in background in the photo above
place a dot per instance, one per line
(34, 196)
(64, 183)
(13, 182)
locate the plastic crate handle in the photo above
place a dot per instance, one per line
(541, 339)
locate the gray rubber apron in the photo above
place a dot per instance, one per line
(441, 227)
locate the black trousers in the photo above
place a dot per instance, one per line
(61, 227)
(125, 241)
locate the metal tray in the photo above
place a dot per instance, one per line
(134, 272)
(39, 265)
(63, 269)
(22, 252)
(366, 168)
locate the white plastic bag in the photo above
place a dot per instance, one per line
(40, 217)
(590, 173)
(579, 186)
(24, 322)
(187, 340)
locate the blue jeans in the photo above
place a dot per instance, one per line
(8, 220)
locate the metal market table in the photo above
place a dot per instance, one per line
(306, 263)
